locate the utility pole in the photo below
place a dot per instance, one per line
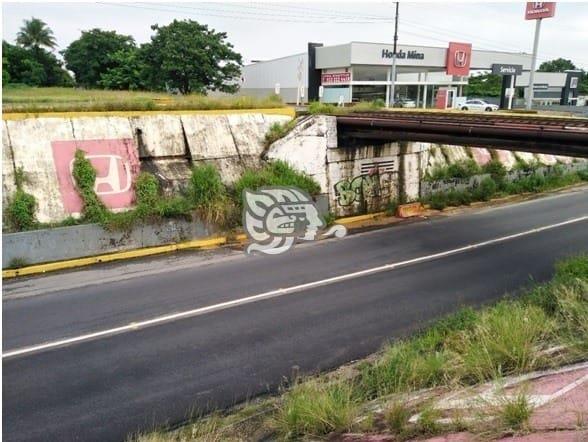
(394, 57)
(533, 64)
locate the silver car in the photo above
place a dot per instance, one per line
(479, 105)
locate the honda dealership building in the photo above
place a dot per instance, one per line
(359, 71)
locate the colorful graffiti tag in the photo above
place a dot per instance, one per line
(362, 187)
(117, 165)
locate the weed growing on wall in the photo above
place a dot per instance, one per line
(84, 175)
(21, 209)
(276, 173)
(277, 131)
(209, 195)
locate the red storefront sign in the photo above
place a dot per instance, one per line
(335, 78)
(458, 59)
(537, 10)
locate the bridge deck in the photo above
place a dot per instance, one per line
(533, 133)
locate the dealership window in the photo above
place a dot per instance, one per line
(369, 93)
(370, 73)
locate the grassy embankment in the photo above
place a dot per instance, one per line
(546, 326)
(496, 185)
(56, 99)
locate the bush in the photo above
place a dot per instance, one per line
(486, 190)
(208, 194)
(276, 173)
(146, 190)
(496, 170)
(461, 169)
(21, 211)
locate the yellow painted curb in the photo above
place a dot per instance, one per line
(208, 243)
(288, 111)
(137, 253)
(354, 219)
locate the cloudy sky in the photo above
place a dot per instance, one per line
(264, 30)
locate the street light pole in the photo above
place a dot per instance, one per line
(394, 57)
(533, 64)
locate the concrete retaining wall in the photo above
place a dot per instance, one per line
(167, 145)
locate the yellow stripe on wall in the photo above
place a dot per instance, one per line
(288, 111)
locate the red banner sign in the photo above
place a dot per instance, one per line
(537, 10)
(458, 59)
(335, 78)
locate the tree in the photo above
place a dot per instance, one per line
(90, 56)
(557, 65)
(34, 34)
(35, 67)
(127, 74)
(484, 85)
(192, 58)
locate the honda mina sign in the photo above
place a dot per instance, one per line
(458, 59)
(537, 10)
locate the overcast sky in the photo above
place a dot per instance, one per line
(264, 30)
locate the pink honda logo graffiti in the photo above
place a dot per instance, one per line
(116, 163)
(460, 59)
(112, 182)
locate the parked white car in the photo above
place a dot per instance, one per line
(479, 105)
(406, 102)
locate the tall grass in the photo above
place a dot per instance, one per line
(316, 408)
(56, 99)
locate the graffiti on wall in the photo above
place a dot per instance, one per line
(116, 163)
(363, 187)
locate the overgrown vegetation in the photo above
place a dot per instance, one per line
(20, 212)
(466, 348)
(277, 131)
(205, 195)
(316, 107)
(496, 185)
(276, 173)
(60, 99)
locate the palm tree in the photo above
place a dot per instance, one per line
(34, 34)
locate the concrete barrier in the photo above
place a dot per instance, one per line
(480, 155)
(63, 243)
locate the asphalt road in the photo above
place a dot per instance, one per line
(126, 378)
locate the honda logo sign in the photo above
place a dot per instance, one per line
(537, 10)
(116, 162)
(458, 59)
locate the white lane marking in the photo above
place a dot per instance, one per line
(279, 292)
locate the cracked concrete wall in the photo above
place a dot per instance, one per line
(168, 145)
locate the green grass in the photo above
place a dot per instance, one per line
(59, 99)
(276, 173)
(316, 408)
(278, 131)
(514, 413)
